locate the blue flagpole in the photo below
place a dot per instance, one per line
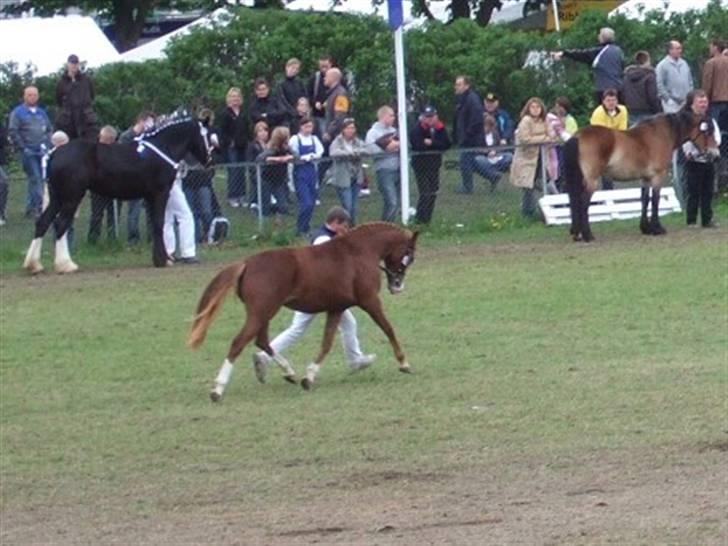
(396, 21)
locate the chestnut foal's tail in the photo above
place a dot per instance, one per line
(211, 302)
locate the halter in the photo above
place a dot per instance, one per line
(406, 261)
(705, 127)
(146, 144)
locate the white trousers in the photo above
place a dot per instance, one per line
(178, 209)
(301, 322)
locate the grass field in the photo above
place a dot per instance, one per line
(563, 394)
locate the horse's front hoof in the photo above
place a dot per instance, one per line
(576, 237)
(306, 383)
(292, 379)
(65, 268)
(658, 230)
(589, 238)
(33, 268)
(215, 395)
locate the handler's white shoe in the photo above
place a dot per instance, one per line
(261, 361)
(362, 363)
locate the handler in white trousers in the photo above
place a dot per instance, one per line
(178, 209)
(337, 223)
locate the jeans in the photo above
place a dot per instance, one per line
(200, 201)
(529, 203)
(133, 235)
(492, 171)
(700, 191)
(275, 185)
(4, 181)
(348, 198)
(719, 112)
(428, 185)
(100, 205)
(467, 166)
(235, 175)
(389, 184)
(32, 166)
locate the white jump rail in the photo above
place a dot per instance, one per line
(606, 205)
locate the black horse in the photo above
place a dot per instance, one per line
(145, 169)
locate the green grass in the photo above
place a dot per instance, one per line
(526, 353)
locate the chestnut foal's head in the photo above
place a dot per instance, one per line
(397, 262)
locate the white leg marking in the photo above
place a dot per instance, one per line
(221, 381)
(32, 258)
(311, 371)
(63, 263)
(288, 370)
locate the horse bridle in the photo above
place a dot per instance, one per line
(705, 127)
(404, 264)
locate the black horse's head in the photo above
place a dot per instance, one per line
(175, 136)
(397, 262)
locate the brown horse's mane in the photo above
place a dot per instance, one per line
(374, 226)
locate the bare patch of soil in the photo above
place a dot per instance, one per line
(675, 496)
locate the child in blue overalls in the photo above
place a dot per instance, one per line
(306, 148)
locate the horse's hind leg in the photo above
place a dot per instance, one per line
(32, 258)
(574, 203)
(332, 323)
(586, 232)
(157, 205)
(63, 262)
(260, 364)
(645, 199)
(247, 334)
(655, 225)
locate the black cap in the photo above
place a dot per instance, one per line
(73, 58)
(429, 111)
(491, 97)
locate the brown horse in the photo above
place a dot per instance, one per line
(329, 278)
(642, 152)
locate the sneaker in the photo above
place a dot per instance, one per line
(234, 203)
(2, 221)
(253, 206)
(190, 260)
(711, 225)
(261, 361)
(364, 192)
(362, 363)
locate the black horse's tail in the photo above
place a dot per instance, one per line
(211, 302)
(573, 174)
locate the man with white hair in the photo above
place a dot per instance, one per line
(607, 61)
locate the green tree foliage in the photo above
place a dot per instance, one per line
(201, 66)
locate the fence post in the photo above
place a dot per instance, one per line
(259, 183)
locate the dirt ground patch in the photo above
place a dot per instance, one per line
(676, 496)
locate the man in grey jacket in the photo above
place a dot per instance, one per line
(674, 79)
(382, 139)
(674, 82)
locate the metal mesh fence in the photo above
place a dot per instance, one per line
(457, 190)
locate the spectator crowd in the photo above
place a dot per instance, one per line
(293, 136)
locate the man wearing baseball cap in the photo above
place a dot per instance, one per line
(429, 140)
(75, 97)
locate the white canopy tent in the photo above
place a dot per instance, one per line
(634, 8)
(46, 42)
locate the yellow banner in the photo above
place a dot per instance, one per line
(569, 10)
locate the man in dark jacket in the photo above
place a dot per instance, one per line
(266, 107)
(640, 89)
(607, 61)
(75, 97)
(429, 140)
(317, 90)
(468, 129)
(503, 119)
(291, 89)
